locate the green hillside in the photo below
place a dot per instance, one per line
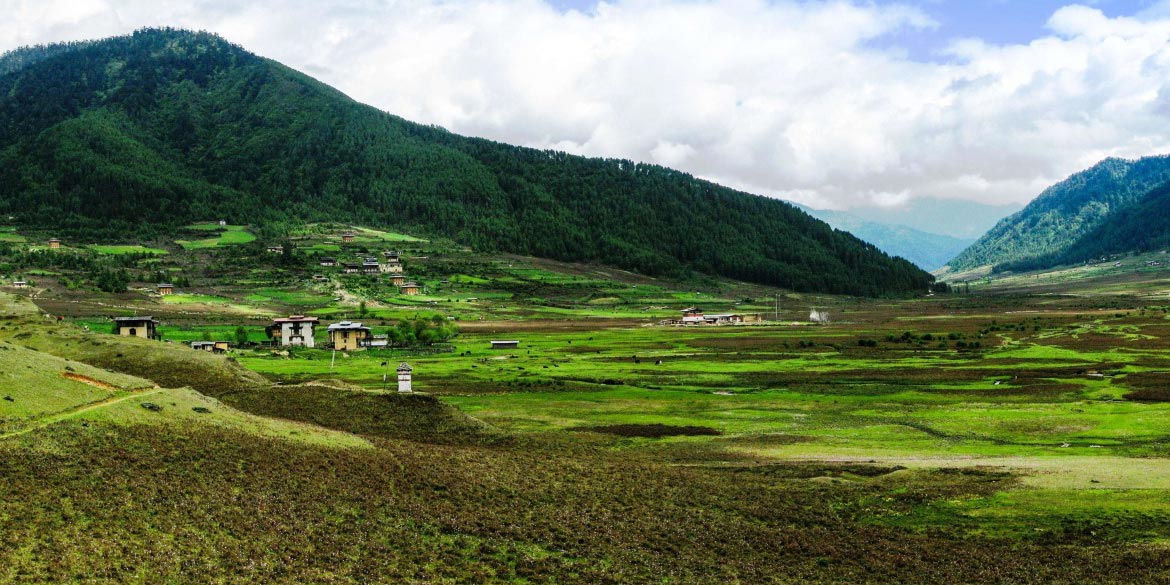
(1065, 213)
(1141, 227)
(134, 136)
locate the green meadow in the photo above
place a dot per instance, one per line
(230, 235)
(1018, 427)
(115, 250)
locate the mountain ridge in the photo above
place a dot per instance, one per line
(134, 135)
(1064, 213)
(929, 251)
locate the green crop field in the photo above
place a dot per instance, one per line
(230, 235)
(126, 249)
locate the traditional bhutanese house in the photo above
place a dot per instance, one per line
(728, 319)
(352, 268)
(398, 279)
(379, 341)
(349, 336)
(166, 289)
(505, 344)
(391, 255)
(370, 266)
(19, 284)
(410, 288)
(145, 327)
(347, 236)
(391, 267)
(54, 244)
(294, 330)
(212, 346)
(320, 277)
(692, 316)
(327, 261)
(275, 249)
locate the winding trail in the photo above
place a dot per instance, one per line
(45, 421)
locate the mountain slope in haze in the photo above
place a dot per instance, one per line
(926, 250)
(132, 136)
(1066, 212)
(956, 218)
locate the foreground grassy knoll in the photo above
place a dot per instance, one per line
(946, 439)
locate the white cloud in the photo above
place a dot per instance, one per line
(777, 97)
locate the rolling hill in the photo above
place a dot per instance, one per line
(1064, 214)
(129, 137)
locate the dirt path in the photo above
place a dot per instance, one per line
(45, 421)
(88, 380)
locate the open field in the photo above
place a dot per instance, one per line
(1023, 427)
(125, 249)
(230, 235)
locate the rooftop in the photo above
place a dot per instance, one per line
(346, 326)
(295, 319)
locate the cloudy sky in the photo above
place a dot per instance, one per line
(835, 104)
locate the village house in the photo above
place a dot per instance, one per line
(391, 255)
(275, 249)
(410, 288)
(349, 336)
(392, 267)
(294, 330)
(398, 280)
(54, 244)
(352, 268)
(20, 284)
(320, 278)
(379, 341)
(328, 261)
(144, 327)
(505, 344)
(347, 236)
(370, 265)
(212, 346)
(166, 289)
(695, 316)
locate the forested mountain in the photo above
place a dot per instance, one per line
(1064, 213)
(132, 136)
(926, 250)
(1143, 226)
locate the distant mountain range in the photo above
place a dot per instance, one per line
(956, 218)
(129, 137)
(926, 250)
(1116, 206)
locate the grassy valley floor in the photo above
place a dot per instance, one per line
(1006, 436)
